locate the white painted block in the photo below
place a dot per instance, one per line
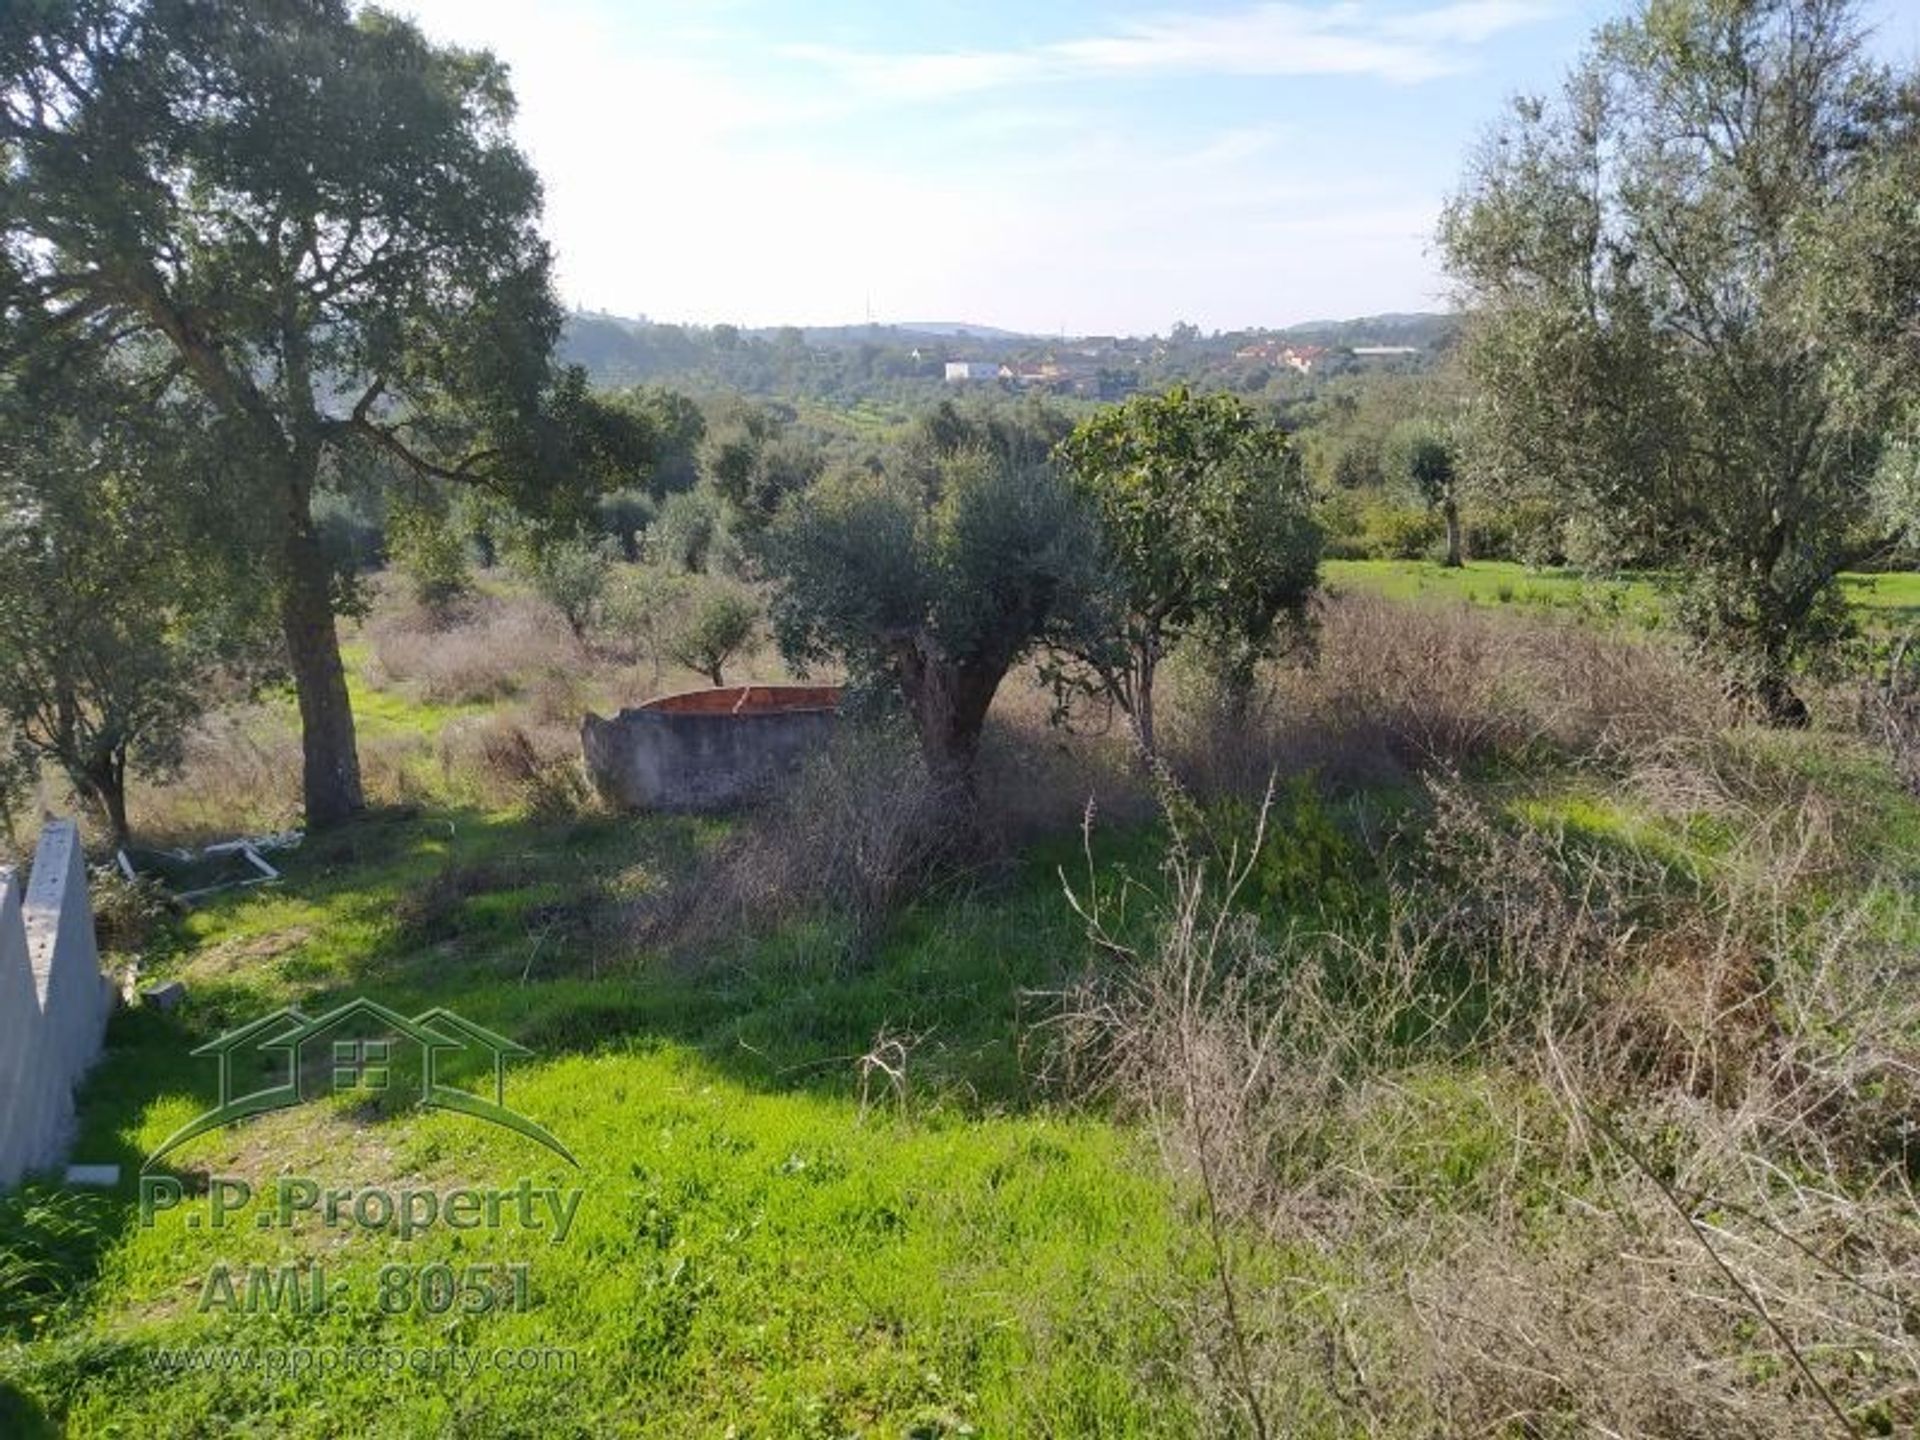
(54, 1002)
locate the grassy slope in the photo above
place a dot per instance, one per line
(751, 1250)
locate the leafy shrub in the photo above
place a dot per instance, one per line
(641, 606)
(1400, 532)
(689, 531)
(624, 515)
(1488, 536)
(423, 544)
(1343, 529)
(1310, 865)
(571, 574)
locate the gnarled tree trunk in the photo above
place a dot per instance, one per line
(948, 700)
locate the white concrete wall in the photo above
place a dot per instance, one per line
(53, 1002)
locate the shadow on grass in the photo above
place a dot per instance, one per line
(524, 926)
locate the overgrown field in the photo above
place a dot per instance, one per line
(1538, 1059)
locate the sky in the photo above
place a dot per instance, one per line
(1064, 166)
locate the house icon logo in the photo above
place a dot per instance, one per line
(363, 1049)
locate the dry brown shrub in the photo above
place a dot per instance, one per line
(1391, 689)
(240, 775)
(1457, 684)
(1553, 1151)
(1887, 708)
(858, 830)
(489, 647)
(507, 760)
(1037, 778)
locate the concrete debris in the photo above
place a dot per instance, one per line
(167, 995)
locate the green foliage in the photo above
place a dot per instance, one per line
(624, 516)
(753, 464)
(1427, 459)
(1397, 532)
(570, 572)
(1207, 525)
(675, 426)
(1686, 310)
(641, 605)
(114, 612)
(427, 548)
(316, 222)
(691, 533)
(1309, 867)
(1020, 434)
(715, 623)
(1896, 492)
(350, 530)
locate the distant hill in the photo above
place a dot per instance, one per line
(1424, 328)
(961, 327)
(904, 330)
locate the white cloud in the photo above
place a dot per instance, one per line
(1271, 39)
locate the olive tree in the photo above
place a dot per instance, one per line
(570, 572)
(317, 222)
(1692, 274)
(716, 622)
(936, 590)
(1207, 527)
(1429, 462)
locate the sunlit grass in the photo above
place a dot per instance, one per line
(1890, 598)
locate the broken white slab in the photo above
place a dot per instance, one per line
(246, 851)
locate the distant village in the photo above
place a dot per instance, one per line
(848, 360)
(1105, 367)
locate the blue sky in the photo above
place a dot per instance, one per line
(1067, 165)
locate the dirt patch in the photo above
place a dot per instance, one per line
(245, 952)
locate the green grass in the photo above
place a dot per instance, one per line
(1895, 595)
(1890, 599)
(379, 713)
(752, 1250)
